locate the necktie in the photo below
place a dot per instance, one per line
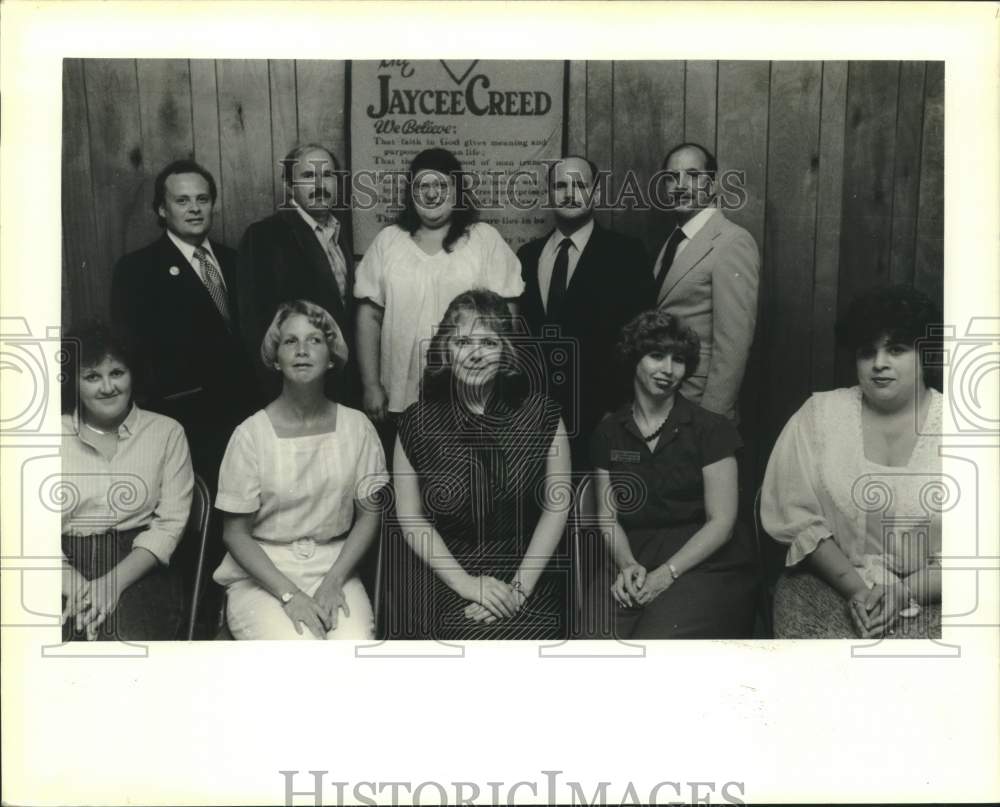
(213, 282)
(557, 286)
(337, 262)
(669, 252)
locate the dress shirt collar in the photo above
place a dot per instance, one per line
(187, 250)
(696, 222)
(127, 428)
(579, 238)
(331, 229)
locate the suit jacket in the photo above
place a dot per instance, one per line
(610, 285)
(712, 287)
(192, 364)
(280, 259)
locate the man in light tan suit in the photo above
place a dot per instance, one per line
(707, 274)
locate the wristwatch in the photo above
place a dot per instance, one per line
(673, 571)
(286, 597)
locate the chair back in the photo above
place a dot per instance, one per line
(197, 530)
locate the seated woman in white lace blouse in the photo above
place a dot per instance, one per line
(851, 485)
(298, 484)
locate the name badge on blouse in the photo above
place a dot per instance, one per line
(620, 455)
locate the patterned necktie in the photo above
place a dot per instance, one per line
(329, 238)
(213, 282)
(669, 253)
(557, 286)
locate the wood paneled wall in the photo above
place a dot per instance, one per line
(843, 165)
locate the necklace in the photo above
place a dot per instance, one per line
(95, 429)
(653, 434)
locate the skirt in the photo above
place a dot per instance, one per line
(151, 609)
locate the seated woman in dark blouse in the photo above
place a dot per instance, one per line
(666, 486)
(480, 470)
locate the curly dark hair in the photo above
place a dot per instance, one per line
(464, 214)
(903, 315)
(87, 344)
(489, 309)
(656, 330)
(179, 167)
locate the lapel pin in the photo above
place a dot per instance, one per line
(174, 271)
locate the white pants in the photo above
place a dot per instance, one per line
(253, 612)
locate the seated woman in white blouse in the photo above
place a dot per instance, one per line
(852, 481)
(126, 485)
(298, 484)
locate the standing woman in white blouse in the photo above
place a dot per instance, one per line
(436, 250)
(299, 485)
(126, 488)
(852, 485)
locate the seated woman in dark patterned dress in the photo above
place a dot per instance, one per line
(482, 471)
(666, 487)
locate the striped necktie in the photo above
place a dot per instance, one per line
(213, 282)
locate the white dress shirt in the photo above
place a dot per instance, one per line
(547, 260)
(328, 236)
(187, 250)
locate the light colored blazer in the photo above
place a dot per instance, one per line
(712, 287)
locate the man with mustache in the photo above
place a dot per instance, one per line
(706, 275)
(582, 283)
(176, 298)
(302, 251)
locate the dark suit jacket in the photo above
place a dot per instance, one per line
(610, 285)
(280, 259)
(192, 365)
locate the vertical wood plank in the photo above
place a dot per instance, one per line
(828, 213)
(600, 111)
(929, 251)
(641, 141)
(322, 105)
(284, 118)
(87, 262)
(700, 92)
(576, 108)
(870, 161)
(792, 179)
(906, 175)
(205, 125)
(245, 138)
(742, 137)
(126, 220)
(164, 113)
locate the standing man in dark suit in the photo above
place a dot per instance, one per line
(582, 282)
(176, 298)
(300, 252)
(707, 274)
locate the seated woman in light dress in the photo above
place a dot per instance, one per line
(851, 481)
(127, 481)
(298, 484)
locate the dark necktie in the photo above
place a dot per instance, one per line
(557, 286)
(213, 282)
(668, 255)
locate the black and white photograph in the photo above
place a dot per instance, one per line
(501, 371)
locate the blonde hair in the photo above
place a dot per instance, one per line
(317, 316)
